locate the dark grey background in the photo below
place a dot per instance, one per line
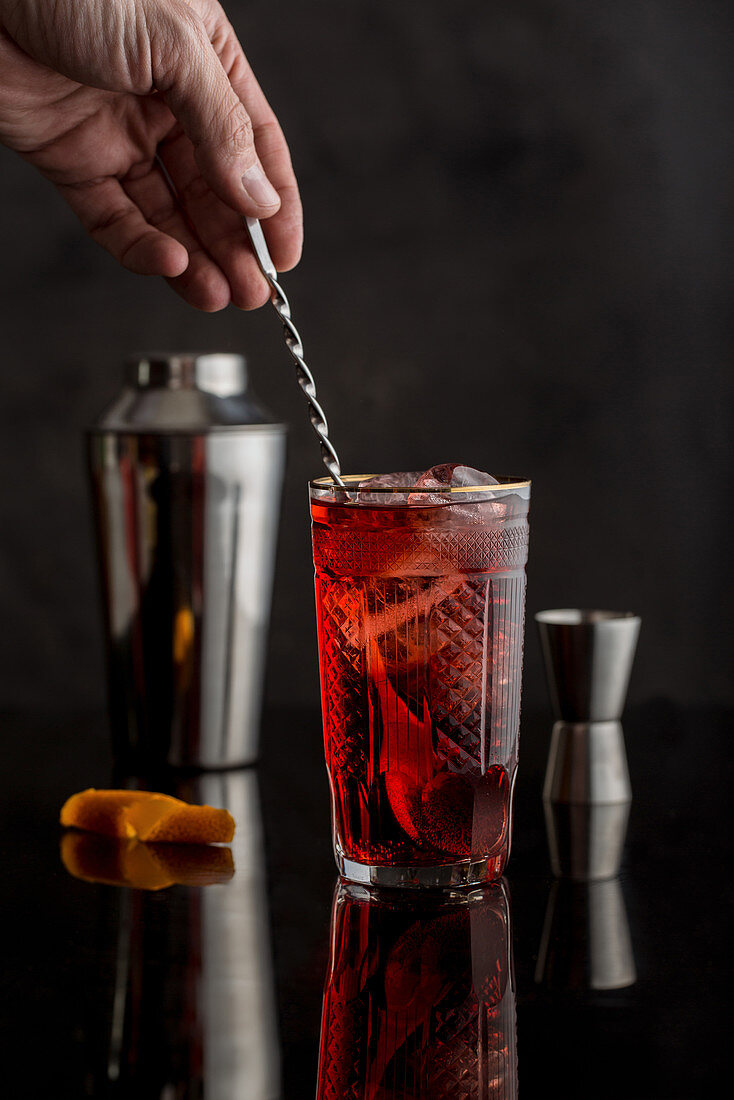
(518, 241)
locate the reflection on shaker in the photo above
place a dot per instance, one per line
(419, 999)
(186, 469)
(193, 1014)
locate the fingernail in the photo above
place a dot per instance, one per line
(259, 188)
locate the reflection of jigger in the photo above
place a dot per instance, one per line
(586, 940)
(588, 658)
(585, 842)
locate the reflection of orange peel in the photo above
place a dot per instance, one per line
(144, 866)
(183, 634)
(145, 815)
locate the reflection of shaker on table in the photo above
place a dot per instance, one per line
(193, 1011)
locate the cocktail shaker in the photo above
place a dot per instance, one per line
(186, 469)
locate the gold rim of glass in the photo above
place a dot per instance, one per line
(351, 481)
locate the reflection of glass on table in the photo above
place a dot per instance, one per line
(419, 998)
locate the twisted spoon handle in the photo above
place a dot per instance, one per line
(295, 347)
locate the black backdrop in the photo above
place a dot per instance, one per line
(518, 240)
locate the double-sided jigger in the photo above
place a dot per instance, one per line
(588, 658)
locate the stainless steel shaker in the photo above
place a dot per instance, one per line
(186, 469)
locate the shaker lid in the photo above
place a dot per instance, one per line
(220, 373)
(185, 392)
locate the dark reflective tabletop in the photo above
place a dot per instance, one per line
(162, 973)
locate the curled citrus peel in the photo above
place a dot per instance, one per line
(147, 816)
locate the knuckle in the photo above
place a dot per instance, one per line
(249, 289)
(178, 37)
(126, 254)
(195, 190)
(161, 215)
(254, 298)
(240, 136)
(109, 220)
(188, 24)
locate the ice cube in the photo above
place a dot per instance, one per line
(447, 475)
(474, 507)
(435, 478)
(436, 813)
(405, 479)
(430, 479)
(369, 488)
(466, 475)
(452, 475)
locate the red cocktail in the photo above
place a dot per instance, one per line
(420, 595)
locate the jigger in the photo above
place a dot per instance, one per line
(588, 659)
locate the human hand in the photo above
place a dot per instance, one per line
(108, 97)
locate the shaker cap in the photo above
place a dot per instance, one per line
(185, 392)
(220, 373)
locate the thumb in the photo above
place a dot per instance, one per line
(190, 77)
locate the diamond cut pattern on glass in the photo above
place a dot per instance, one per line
(470, 1061)
(459, 673)
(343, 674)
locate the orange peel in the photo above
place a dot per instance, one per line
(147, 816)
